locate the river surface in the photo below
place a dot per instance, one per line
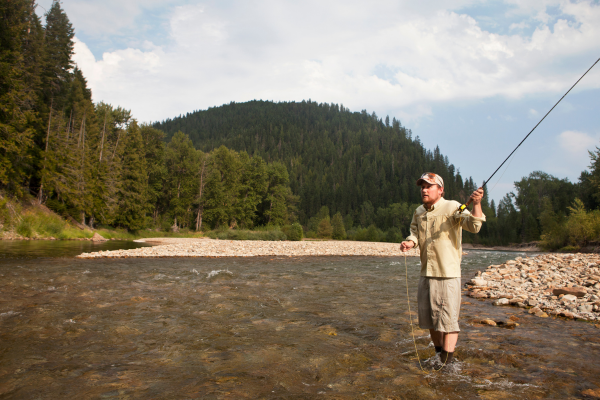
(270, 328)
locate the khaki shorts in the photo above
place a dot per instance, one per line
(439, 303)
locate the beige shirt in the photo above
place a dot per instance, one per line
(438, 234)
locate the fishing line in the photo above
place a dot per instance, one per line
(464, 206)
(412, 329)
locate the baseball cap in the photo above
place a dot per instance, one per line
(432, 178)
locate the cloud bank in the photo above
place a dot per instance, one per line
(379, 55)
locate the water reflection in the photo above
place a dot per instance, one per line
(59, 248)
(331, 327)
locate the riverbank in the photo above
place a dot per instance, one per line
(527, 247)
(181, 247)
(566, 285)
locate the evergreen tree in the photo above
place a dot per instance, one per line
(154, 147)
(338, 226)
(325, 229)
(181, 162)
(20, 33)
(134, 184)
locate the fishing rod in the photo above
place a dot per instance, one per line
(464, 206)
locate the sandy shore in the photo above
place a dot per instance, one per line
(178, 247)
(549, 284)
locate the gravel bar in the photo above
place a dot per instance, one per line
(566, 285)
(178, 247)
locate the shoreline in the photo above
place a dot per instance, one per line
(552, 284)
(525, 247)
(205, 247)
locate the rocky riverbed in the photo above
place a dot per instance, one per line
(176, 247)
(550, 284)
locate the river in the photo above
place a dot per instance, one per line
(272, 328)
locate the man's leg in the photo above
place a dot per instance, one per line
(445, 340)
(438, 339)
(449, 341)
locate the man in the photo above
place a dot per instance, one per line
(436, 228)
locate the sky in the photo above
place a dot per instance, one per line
(470, 76)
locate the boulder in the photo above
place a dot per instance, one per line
(585, 308)
(98, 238)
(532, 302)
(501, 302)
(575, 291)
(479, 282)
(568, 298)
(567, 314)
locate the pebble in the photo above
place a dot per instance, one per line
(552, 284)
(204, 247)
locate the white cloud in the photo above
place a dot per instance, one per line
(330, 51)
(576, 144)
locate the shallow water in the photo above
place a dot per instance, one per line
(301, 328)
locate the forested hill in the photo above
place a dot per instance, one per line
(351, 162)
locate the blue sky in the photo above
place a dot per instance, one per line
(470, 76)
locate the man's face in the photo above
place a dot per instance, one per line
(430, 193)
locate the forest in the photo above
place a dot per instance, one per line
(240, 166)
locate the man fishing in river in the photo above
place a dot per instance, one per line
(436, 228)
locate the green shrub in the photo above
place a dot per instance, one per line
(569, 249)
(25, 228)
(325, 229)
(572, 233)
(394, 235)
(272, 234)
(294, 232)
(338, 230)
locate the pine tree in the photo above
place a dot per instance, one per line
(134, 185)
(20, 33)
(338, 226)
(181, 163)
(325, 229)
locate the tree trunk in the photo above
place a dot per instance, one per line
(200, 207)
(102, 141)
(116, 145)
(69, 125)
(41, 191)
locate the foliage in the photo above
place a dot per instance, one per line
(293, 232)
(274, 234)
(325, 230)
(237, 166)
(338, 230)
(576, 231)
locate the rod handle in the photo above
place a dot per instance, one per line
(463, 207)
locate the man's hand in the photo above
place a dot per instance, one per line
(406, 246)
(477, 196)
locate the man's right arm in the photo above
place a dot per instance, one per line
(412, 240)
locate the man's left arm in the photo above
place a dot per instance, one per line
(474, 220)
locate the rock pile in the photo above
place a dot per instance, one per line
(251, 248)
(551, 284)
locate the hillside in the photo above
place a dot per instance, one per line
(351, 162)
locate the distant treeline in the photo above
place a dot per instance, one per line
(352, 163)
(338, 173)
